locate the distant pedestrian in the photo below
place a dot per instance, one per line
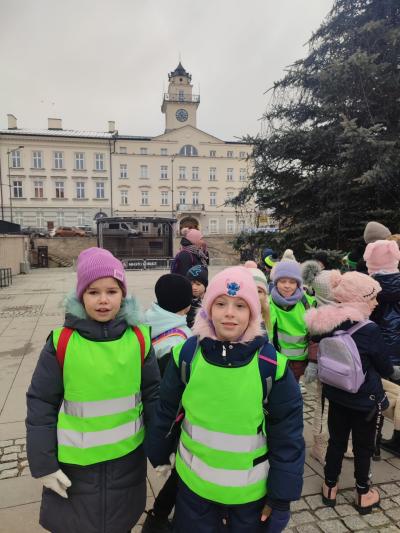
(191, 252)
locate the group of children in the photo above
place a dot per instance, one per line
(226, 419)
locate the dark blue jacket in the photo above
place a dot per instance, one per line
(284, 421)
(387, 314)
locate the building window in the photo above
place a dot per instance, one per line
(17, 189)
(80, 190)
(242, 174)
(213, 198)
(182, 173)
(188, 150)
(182, 197)
(213, 225)
(229, 195)
(144, 171)
(230, 225)
(99, 161)
(18, 218)
(143, 151)
(79, 161)
(195, 198)
(100, 190)
(242, 155)
(123, 150)
(229, 174)
(145, 228)
(181, 95)
(123, 171)
(16, 159)
(60, 218)
(59, 190)
(212, 174)
(38, 189)
(37, 158)
(164, 197)
(195, 173)
(40, 222)
(163, 172)
(58, 160)
(229, 153)
(164, 151)
(213, 153)
(144, 198)
(124, 197)
(81, 218)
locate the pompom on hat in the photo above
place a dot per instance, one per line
(258, 276)
(193, 235)
(320, 280)
(375, 231)
(236, 282)
(288, 255)
(96, 263)
(382, 255)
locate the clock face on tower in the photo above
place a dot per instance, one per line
(181, 115)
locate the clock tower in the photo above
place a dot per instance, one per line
(179, 103)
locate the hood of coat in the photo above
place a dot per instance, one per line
(162, 320)
(326, 318)
(77, 318)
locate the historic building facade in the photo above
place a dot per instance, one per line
(67, 176)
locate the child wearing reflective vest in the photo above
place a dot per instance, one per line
(288, 305)
(92, 393)
(240, 455)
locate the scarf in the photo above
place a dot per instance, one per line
(193, 249)
(286, 302)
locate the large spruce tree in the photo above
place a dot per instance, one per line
(330, 158)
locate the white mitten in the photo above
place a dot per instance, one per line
(58, 482)
(163, 470)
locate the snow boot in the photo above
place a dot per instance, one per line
(392, 445)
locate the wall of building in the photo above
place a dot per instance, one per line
(13, 251)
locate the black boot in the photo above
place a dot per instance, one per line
(392, 445)
(156, 524)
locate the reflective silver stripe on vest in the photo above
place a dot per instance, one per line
(89, 439)
(225, 442)
(292, 352)
(294, 339)
(223, 477)
(100, 408)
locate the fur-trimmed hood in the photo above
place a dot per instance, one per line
(326, 318)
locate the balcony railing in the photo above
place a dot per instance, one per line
(195, 98)
(191, 208)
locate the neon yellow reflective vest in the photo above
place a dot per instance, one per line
(101, 414)
(289, 332)
(222, 453)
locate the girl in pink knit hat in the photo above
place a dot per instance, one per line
(91, 395)
(355, 412)
(232, 462)
(193, 251)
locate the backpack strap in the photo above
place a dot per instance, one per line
(305, 302)
(358, 326)
(267, 365)
(186, 357)
(62, 345)
(142, 343)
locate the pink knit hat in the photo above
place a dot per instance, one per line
(95, 263)
(238, 283)
(382, 255)
(193, 235)
(354, 287)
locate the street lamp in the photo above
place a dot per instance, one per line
(9, 177)
(172, 186)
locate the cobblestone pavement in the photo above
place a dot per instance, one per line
(30, 309)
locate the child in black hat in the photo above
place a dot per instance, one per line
(198, 276)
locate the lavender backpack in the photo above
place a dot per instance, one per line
(339, 362)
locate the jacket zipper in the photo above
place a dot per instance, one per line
(105, 331)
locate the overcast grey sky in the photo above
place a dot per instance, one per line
(90, 61)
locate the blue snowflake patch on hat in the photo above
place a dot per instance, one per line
(233, 288)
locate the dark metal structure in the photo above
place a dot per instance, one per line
(9, 227)
(147, 245)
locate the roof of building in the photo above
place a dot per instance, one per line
(72, 133)
(179, 71)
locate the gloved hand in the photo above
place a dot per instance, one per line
(274, 520)
(58, 482)
(163, 470)
(396, 374)
(311, 372)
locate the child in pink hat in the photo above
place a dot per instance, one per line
(219, 378)
(91, 395)
(192, 252)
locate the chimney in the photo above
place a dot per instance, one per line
(54, 124)
(111, 126)
(12, 122)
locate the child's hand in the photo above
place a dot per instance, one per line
(163, 470)
(58, 482)
(275, 520)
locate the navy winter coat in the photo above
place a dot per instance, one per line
(107, 497)
(387, 314)
(284, 421)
